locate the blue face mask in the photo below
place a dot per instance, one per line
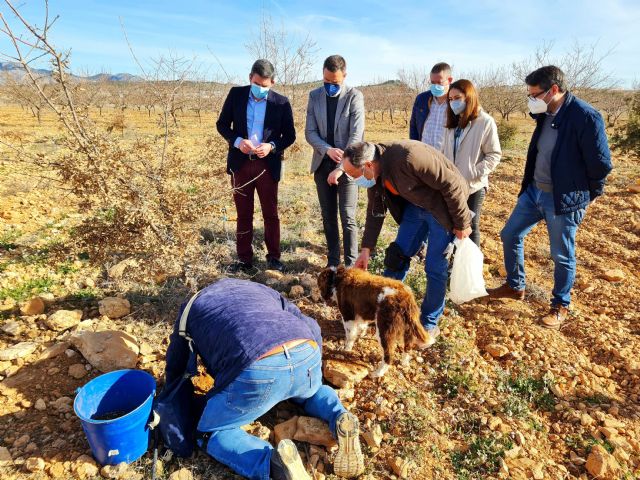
(458, 106)
(364, 182)
(438, 90)
(259, 92)
(332, 89)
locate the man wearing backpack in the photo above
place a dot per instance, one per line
(261, 350)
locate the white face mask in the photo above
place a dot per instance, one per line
(537, 105)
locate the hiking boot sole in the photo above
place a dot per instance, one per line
(291, 461)
(349, 461)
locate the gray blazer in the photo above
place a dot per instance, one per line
(349, 124)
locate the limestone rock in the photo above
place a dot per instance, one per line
(85, 467)
(274, 274)
(114, 307)
(496, 350)
(614, 275)
(63, 320)
(182, 474)
(314, 431)
(54, 350)
(586, 420)
(373, 437)
(63, 404)
(285, 430)
(117, 271)
(33, 306)
(613, 423)
(5, 457)
(34, 464)
(107, 350)
(576, 459)
(602, 465)
(11, 327)
(400, 466)
(19, 350)
(296, 291)
(344, 374)
(77, 370)
(117, 471)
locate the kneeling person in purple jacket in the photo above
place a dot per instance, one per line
(261, 350)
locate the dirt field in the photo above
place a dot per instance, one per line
(496, 397)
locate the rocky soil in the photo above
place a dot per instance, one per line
(496, 397)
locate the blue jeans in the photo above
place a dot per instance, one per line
(533, 206)
(419, 226)
(296, 375)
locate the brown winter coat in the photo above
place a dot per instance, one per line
(421, 175)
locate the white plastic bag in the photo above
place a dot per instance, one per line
(467, 281)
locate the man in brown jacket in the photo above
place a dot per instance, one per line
(426, 196)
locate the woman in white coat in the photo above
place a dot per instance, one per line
(471, 143)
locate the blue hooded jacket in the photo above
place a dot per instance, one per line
(580, 161)
(419, 115)
(233, 323)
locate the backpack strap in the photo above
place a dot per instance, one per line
(182, 327)
(192, 363)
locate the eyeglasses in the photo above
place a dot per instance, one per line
(537, 95)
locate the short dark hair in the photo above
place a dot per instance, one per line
(335, 63)
(546, 77)
(263, 68)
(359, 153)
(441, 67)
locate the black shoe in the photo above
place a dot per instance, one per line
(243, 267)
(286, 463)
(275, 264)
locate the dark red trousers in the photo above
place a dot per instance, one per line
(254, 176)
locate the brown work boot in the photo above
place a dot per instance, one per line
(555, 318)
(505, 291)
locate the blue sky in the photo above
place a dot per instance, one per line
(376, 37)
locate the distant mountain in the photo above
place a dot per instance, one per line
(118, 77)
(17, 72)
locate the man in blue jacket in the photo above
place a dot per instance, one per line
(567, 164)
(258, 125)
(429, 113)
(260, 350)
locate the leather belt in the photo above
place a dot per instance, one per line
(287, 346)
(545, 187)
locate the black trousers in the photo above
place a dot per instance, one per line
(474, 203)
(343, 197)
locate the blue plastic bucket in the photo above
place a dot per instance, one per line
(114, 409)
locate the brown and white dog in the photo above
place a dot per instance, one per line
(364, 299)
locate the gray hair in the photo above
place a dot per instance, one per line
(359, 153)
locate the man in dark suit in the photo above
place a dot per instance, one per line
(258, 124)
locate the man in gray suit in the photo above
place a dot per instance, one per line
(335, 120)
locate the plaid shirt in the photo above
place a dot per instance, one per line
(433, 131)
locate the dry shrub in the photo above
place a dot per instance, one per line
(142, 196)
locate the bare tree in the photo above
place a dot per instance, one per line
(293, 58)
(583, 65)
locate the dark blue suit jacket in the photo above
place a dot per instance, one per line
(580, 161)
(278, 127)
